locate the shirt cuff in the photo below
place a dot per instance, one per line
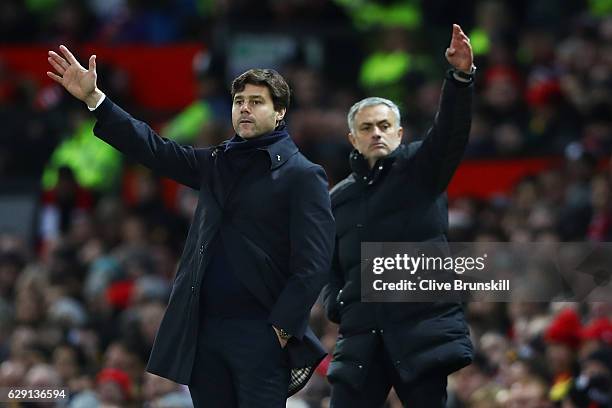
(97, 104)
(458, 81)
(464, 80)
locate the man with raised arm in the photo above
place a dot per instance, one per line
(258, 249)
(396, 193)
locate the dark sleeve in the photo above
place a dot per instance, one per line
(137, 140)
(443, 146)
(311, 231)
(333, 289)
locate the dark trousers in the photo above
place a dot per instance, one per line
(239, 363)
(426, 392)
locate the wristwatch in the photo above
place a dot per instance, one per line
(465, 76)
(282, 333)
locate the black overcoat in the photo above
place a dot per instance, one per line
(402, 199)
(276, 224)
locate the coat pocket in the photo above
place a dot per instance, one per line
(352, 358)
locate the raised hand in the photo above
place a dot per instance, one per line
(459, 52)
(77, 80)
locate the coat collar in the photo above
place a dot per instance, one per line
(362, 171)
(279, 151)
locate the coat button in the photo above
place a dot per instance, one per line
(201, 249)
(341, 303)
(398, 362)
(380, 167)
(381, 331)
(373, 331)
(371, 182)
(193, 289)
(360, 366)
(365, 177)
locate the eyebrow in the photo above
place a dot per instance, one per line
(249, 97)
(380, 122)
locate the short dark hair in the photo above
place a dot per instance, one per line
(276, 84)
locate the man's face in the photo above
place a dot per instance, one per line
(376, 132)
(253, 112)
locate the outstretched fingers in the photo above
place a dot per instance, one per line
(58, 68)
(58, 59)
(54, 77)
(71, 59)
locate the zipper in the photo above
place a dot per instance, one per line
(194, 281)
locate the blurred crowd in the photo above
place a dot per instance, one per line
(80, 302)
(134, 21)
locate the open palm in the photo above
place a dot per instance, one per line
(77, 80)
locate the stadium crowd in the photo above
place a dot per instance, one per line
(80, 302)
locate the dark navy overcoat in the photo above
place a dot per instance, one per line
(401, 199)
(277, 222)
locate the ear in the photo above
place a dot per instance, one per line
(352, 139)
(400, 133)
(280, 114)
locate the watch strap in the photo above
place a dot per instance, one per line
(464, 76)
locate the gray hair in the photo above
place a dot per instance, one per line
(371, 101)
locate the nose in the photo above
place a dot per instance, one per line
(244, 108)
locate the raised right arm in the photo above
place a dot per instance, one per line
(137, 140)
(132, 137)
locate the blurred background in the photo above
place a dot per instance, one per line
(89, 240)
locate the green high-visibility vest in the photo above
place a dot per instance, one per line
(367, 14)
(384, 68)
(41, 6)
(186, 125)
(95, 164)
(600, 8)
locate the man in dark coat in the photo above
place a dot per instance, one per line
(396, 193)
(258, 250)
